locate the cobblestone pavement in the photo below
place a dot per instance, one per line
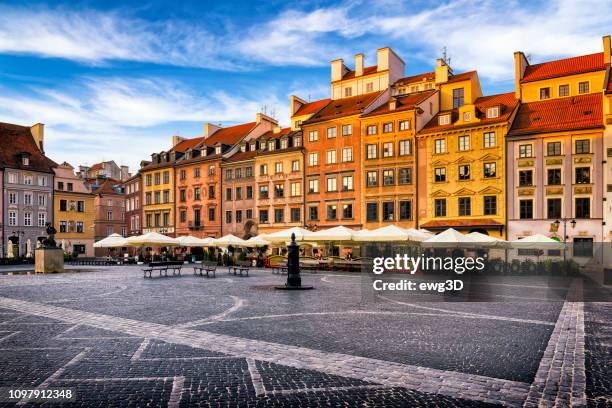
(118, 339)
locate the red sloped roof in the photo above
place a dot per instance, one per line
(270, 134)
(241, 156)
(366, 71)
(403, 103)
(464, 76)
(16, 139)
(562, 67)
(425, 76)
(186, 144)
(311, 107)
(506, 101)
(107, 187)
(230, 135)
(339, 108)
(555, 115)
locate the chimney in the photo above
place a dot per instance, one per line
(338, 69)
(442, 71)
(176, 140)
(392, 104)
(209, 129)
(606, 47)
(358, 65)
(125, 173)
(382, 59)
(520, 64)
(38, 132)
(296, 103)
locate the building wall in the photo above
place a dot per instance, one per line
(471, 91)
(66, 221)
(105, 203)
(133, 205)
(530, 91)
(249, 225)
(164, 210)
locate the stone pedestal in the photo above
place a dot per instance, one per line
(49, 260)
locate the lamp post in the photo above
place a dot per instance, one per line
(294, 281)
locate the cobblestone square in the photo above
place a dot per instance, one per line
(118, 339)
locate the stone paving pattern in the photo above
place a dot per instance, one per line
(122, 340)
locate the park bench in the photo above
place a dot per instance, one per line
(239, 268)
(205, 268)
(163, 268)
(280, 268)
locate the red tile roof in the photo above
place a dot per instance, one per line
(107, 187)
(464, 76)
(339, 108)
(240, 156)
(465, 223)
(555, 115)
(97, 166)
(230, 135)
(270, 134)
(366, 71)
(311, 107)
(563, 67)
(506, 101)
(425, 76)
(14, 140)
(186, 144)
(404, 103)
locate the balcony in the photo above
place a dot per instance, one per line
(195, 225)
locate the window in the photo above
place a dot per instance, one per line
(331, 132)
(279, 190)
(545, 93)
(228, 194)
(296, 215)
(583, 247)
(313, 159)
(211, 192)
(553, 149)
(372, 178)
(156, 178)
(27, 198)
(331, 157)
(347, 130)
(348, 91)
(263, 216)
(64, 226)
(109, 215)
(28, 180)
(313, 213)
(490, 170)
(148, 198)
(166, 177)
(347, 154)
(249, 192)
(238, 173)
(347, 211)
(440, 207)
(278, 167)
(563, 90)
(347, 183)
(525, 150)
(372, 212)
(284, 143)
(490, 205)
(313, 186)
(27, 219)
(156, 198)
(42, 219)
(166, 196)
(465, 206)
(493, 112)
(295, 165)
(371, 130)
(228, 217)
(467, 116)
(388, 177)
(238, 193)
(388, 149)
(553, 206)
(332, 212)
(182, 195)
(553, 177)
(526, 209)
(313, 135)
(388, 211)
(239, 216)
(183, 174)
(211, 214)
(372, 151)
(525, 178)
(148, 180)
(157, 223)
(388, 127)
(457, 98)
(443, 120)
(248, 171)
(63, 205)
(332, 184)
(440, 146)
(440, 174)
(583, 87)
(404, 124)
(196, 172)
(583, 207)
(405, 175)
(583, 146)
(13, 198)
(12, 218)
(196, 193)
(405, 147)
(80, 206)
(583, 175)
(488, 139)
(12, 178)
(464, 172)
(405, 210)
(42, 181)
(183, 216)
(464, 143)
(263, 170)
(229, 174)
(263, 191)
(297, 141)
(271, 145)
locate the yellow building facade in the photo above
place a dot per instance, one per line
(158, 195)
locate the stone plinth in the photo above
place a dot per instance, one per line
(49, 260)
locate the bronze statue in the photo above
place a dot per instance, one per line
(49, 242)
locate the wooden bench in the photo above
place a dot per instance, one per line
(239, 268)
(205, 268)
(163, 268)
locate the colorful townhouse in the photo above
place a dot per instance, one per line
(109, 210)
(279, 179)
(555, 149)
(73, 212)
(27, 187)
(462, 157)
(132, 188)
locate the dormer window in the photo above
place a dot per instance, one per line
(25, 160)
(493, 112)
(218, 150)
(243, 148)
(253, 146)
(283, 143)
(271, 145)
(467, 116)
(348, 92)
(297, 141)
(444, 120)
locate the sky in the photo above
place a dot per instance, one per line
(114, 81)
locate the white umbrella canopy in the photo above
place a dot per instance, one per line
(190, 241)
(151, 239)
(390, 233)
(335, 234)
(449, 238)
(537, 241)
(258, 241)
(487, 240)
(229, 240)
(285, 235)
(208, 242)
(112, 241)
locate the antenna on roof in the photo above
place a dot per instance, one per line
(308, 97)
(445, 57)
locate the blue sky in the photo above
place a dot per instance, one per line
(112, 80)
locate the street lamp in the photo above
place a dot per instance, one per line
(564, 221)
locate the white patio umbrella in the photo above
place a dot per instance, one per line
(29, 248)
(208, 242)
(390, 233)
(229, 240)
(258, 241)
(536, 241)
(335, 234)
(112, 241)
(151, 239)
(449, 239)
(487, 240)
(420, 233)
(190, 241)
(285, 235)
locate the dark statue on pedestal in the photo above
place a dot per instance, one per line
(49, 242)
